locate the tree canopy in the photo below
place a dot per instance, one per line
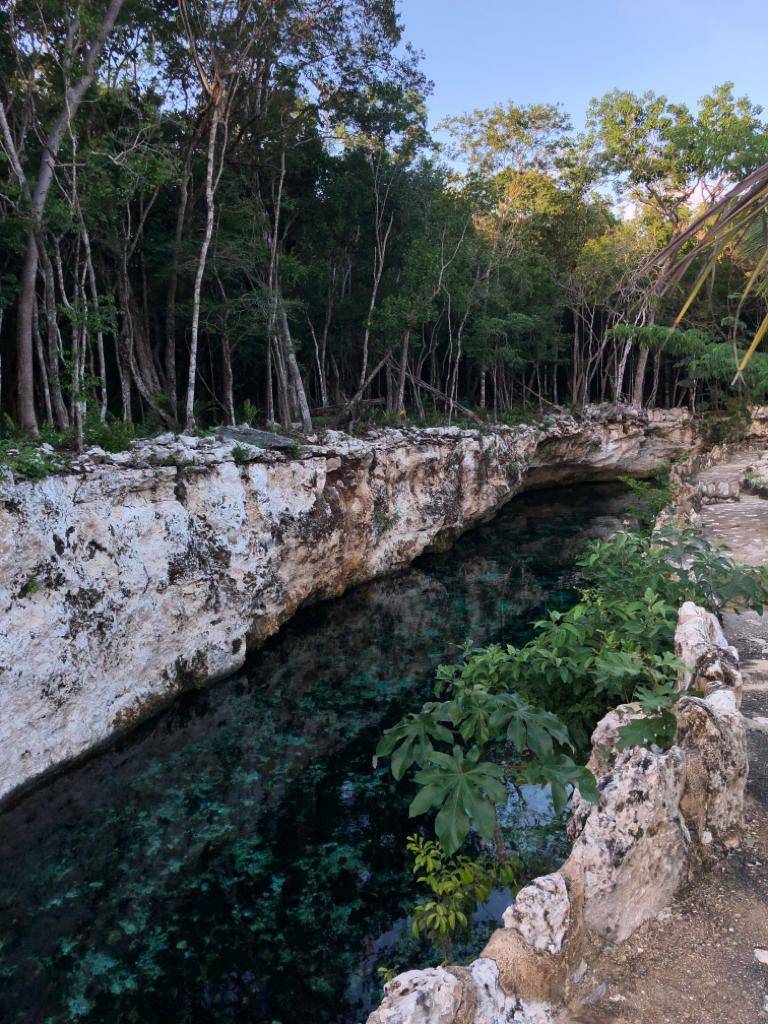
(226, 210)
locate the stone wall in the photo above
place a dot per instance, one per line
(138, 574)
(661, 817)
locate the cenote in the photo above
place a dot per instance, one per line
(239, 858)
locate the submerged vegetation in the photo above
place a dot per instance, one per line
(239, 856)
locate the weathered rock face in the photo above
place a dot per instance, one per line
(710, 662)
(632, 848)
(147, 571)
(661, 816)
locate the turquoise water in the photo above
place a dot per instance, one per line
(238, 858)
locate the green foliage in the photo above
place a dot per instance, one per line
(113, 435)
(249, 413)
(664, 339)
(240, 455)
(614, 646)
(757, 484)
(457, 884)
(651, 497)
(677, 566)
(658, 724)
(463, 789)
(32, 586)
(481, 716)
(29, 461)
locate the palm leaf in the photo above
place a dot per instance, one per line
(728, 221)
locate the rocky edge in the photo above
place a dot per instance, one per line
(661, 817)
(138, 574)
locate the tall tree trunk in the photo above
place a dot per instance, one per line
(43, 368)
(226, 380)
(99, 331)
(60, 413)
(270, 393)
(638, 386)
(294, 372)
(201, 260)
(73, 97)
(400, 408)
(173, 283)
(25, 379)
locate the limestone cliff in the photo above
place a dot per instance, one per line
(139, 574)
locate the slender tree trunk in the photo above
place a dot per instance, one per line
(25, 386)
(43, 368)
(60, 413)
(400, 408)
(51, 144)
(638, 386)
(270, 394)
(103, 397)
(294, 372)
(173, 284)
(201, 260)
(655, 387)
(226, 374)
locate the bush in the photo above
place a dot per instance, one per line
(515, 715)
(113, 435)
(28, 461)
(651, 497)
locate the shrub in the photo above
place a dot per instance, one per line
(112, 435)
(498, 725)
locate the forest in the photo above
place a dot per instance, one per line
(229, 211)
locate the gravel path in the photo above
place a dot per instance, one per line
(696, 964)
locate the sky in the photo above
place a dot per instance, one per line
(479, 52)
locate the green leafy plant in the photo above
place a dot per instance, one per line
(494, 738)
(31, 462)
(658, 724)
(651, 497)
(457, 884)
(113, 435)
(495, 727)
(463, 789)
(249, 413)
(240, 455)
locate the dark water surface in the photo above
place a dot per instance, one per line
(236, 859)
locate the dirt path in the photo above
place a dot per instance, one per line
(696, 963)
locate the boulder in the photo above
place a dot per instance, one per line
(433, 996)
(712, 735)
(631, 849)
(710, 663)
(541, 914)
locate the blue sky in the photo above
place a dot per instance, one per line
(482, 51)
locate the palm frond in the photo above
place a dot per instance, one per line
(737, 220)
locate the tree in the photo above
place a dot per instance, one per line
(73, 40)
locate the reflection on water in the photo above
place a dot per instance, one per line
(238, 858)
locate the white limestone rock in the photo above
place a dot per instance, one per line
(432, 996)
(632, 847)
(456, 995)
(541, 913)
(710, 661)
(712, 735)
(154, 569)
